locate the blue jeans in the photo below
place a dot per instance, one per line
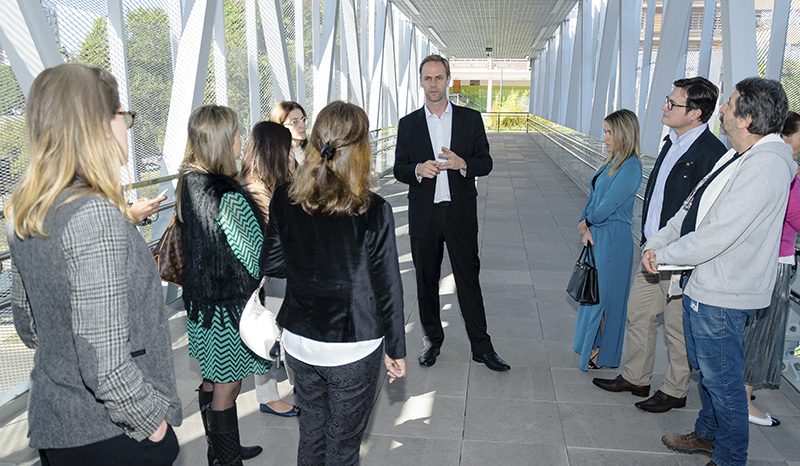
(714, 344)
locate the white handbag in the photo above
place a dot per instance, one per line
(257, 325)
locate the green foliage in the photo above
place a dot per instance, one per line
(13, 149)
(12, 102)
(791, 83)
(94, 50)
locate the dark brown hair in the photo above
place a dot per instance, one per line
(436, 59)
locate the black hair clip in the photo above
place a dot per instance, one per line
(328, 151)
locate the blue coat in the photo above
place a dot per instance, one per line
(609, 211)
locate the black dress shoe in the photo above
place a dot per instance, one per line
(492, 361)
(660, 402)
(621, 385)
(427, 358)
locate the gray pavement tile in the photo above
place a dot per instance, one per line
(601, 457)
(620, 427)
(396, 450)
(425, 415)
(444, 378)
(528, 352)
(512, 277)
(560, 354)
(785, 438)
(513, 421)
(515, 327)
(520, 383)
(476, 453)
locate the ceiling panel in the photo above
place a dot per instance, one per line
(513, 28)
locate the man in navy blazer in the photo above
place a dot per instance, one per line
(440, 150)
(689, 153)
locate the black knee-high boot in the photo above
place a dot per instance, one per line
(204, 400)
(223, 427)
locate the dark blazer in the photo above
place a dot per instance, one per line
(342, 275)
(690, 168)
(468, 140)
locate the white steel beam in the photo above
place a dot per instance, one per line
(532, 93)
(647, 50)
(272, 28)
(390, 71)
(738, 43)
(220, 57)
(555, 110)
(542, 87)
(587, 59)
(189, 83)
(350, 36)
(323, 69)
(253, 80)
(299, 52)
(680, 69)
(675, 22)
(706, 39)
(403, 60)
(777, 40)
(119, 68)
(28, 41)
(629, 31)
(573, 116)
(376, 65)
(175, 16)
(606, 62)
(568, 46)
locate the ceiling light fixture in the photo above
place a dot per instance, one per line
(436, 36)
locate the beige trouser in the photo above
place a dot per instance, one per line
(647, 301)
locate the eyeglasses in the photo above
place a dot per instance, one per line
(296, 122)
(128, 117)
(671, 104)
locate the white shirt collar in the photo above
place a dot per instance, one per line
(447, 110)
(690, 135)
(774, 137)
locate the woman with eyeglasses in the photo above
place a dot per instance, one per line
(293, 116)
(266, 165)
(342, 315)
(85, 292)
(222, 234)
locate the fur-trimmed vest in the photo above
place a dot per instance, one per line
(212, 275)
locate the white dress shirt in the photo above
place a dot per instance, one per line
(440, 129)
(680, 144)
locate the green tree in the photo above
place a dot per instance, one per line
(12, 101)
(94, 50)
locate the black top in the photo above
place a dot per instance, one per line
(342, 273)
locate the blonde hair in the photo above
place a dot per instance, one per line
(68, 116)
(212, 132)
(338, 182)
(624, 126)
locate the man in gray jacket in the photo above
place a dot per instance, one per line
(729, 230)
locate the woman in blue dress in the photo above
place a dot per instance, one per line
(606, 224)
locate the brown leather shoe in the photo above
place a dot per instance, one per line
(621, 385)
(660, 402)
(688, 443)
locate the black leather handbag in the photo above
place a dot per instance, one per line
(582, 285)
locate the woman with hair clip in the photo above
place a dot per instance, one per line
(334, 240)
(85, 293)
(291, 115)
(765, 331)
(606, 225)
(267, 164)
(221, 239)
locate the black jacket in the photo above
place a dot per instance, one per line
(690, 168)
(468, 140)
(342, 274)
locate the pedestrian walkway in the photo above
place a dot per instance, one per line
(543, 412)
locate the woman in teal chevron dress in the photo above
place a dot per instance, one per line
(221, 241)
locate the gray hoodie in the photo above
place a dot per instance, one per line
(734, 248)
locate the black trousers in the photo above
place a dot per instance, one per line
(119, 451)
(335, 404)
(462, 247)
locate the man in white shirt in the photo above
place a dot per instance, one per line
(440, 150)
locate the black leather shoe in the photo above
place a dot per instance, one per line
(621, 385)
(427, 358)
(492, 361)
(660, 402)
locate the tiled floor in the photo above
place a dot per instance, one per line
(544, 412)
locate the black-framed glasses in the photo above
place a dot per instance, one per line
(672, 104)
(296, 122)
(128, 117)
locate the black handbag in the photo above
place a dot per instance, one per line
(582, 285)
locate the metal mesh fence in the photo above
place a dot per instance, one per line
(790, 74)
